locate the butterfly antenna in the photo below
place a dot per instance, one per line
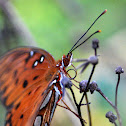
(88, 30)
(85, 40)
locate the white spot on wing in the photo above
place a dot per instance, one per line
(46, 100)
(38, 121)
(57, 65)
(41, 59)
(31, 53)
(36, 63)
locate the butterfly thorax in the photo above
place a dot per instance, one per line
(62, 65)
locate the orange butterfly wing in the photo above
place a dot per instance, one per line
(25, 74)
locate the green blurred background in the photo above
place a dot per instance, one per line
(56, 25)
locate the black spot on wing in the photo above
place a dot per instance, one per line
(27, 59)
(29, 93)
(16, 82)
(17, 106)
(15, 73)
(35, 77)
(25, 84)
(21, 116)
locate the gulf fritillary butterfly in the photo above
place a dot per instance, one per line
(30, 84)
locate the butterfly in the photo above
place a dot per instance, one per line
(31, 84)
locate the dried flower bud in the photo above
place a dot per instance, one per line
(93, 60)
(93, 86)
(119, 70)
(66, 82)
(83, 85)
(111, 116)
(95, 43)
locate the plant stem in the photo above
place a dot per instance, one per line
(87, 84)
(116, 92)
(95, 52)
(78, 108)
(118, 116)
(115, 124)
(73, 96)
(99, 90)
(71, 101)
(88, 109)
(79, 113)
(116, 109)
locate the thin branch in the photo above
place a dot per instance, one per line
(116, 92)
(79, 112)
(71, 101)
(88, 109)
(118, 116)
(115, 108)
(115, 124)
(73, 96)
(80, 60)
(99, 90)
(87, 84)
(78, 107)
(95, 50)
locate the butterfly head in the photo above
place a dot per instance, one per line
(67, 59)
